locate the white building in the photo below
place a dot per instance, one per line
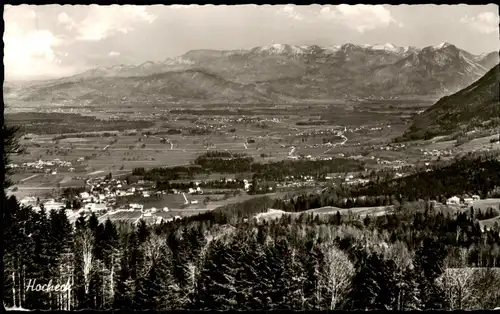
(96, 207)
(50, 205)
(28, 199)
(468, 201)
(85, 196)
(453, 201)
(136, 206)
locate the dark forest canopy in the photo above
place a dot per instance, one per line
(199, 263)
(226, 162)
(60, 123)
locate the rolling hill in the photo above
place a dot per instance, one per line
(471, 106)
(174, 86)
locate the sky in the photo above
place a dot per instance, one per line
(52, 41)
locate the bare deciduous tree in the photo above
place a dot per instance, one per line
(457, 283)
(86, 242)
(399, 253)
(337, 277)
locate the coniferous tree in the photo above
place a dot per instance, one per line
(374, 285)
(216, 286)
(429, 266)
(155, 285)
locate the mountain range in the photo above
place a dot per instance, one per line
(472, 106)
(278, 73)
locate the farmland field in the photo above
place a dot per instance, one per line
(176, 136)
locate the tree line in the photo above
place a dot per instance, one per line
(409, 259)
(233, 163)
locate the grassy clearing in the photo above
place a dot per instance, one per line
(484, 204)
(362, 211)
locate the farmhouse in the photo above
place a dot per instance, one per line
(28, 199)
(50, 205)
(468, 200)
(136, 206)
(453, 201)
(96, 207)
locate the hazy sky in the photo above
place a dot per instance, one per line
(55, 40)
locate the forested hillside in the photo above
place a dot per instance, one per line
(464, 110)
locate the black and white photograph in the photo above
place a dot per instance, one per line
(251, 157)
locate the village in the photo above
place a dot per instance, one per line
(108, 195)
(47, 166)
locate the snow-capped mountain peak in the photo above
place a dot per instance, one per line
(147, 64)
(410, 49)
(441, 45)
(276, 48)
(333, 48)
(387, 47)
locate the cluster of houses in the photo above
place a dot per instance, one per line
(355, 181)
(320, 132)
(394, 164)
(36, 204)
(464, 200)
(296, 184)
(390, 147)
(50, 166)
(436, 153)
(102, 192)
(309, 157)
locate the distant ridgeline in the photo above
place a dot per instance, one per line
(477, 105)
